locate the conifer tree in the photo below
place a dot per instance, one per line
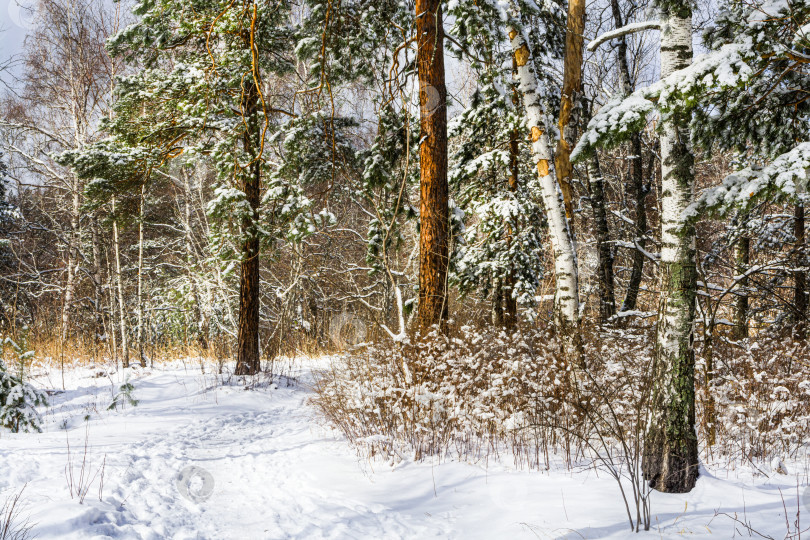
(205, 87)
(491, 176)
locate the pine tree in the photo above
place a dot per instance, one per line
(211, 64)
(434, 210)
(502, 248)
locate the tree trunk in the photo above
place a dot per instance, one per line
(74, 239)
(569, 102)
(434, 219)
(497, 305)
(98, 288)
(607, 297)
(111, 296)
(637, 173)
(140, 277)
(120, 286)
(566, 297)
(742, 259)
(640, 233)
(509, 299)
(800, 283)
(670, 459)
(248, 361)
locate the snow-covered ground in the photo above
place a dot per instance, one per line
(199, 459)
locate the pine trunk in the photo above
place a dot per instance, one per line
(434, 219)
(569, 102)
(247, 358)
(670, 460)
(566, 297)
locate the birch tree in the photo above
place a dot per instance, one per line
(566, 297)
(670, 447)
(670, 461)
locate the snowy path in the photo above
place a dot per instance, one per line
(279, 473)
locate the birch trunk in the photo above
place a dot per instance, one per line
(434, 213)
(98, 289)
(73, 259)
(670, 460)
(120, 286)
(566, 297)
(497, 304)
(202, 311)
(111, 296)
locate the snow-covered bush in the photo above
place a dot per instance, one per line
(481, 392)
(476, 393)
(761, 395)
(18, 399)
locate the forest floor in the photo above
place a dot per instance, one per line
(197, 458)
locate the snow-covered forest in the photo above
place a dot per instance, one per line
(404, 269)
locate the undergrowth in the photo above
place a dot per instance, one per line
(480, 393)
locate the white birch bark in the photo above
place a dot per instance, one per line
(677, 190)
(670, 461)
(566, 297)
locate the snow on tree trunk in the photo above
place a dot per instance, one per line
(74, 239)
(637, 184)
(140, 277)
(434, 213)
(670, 460)
(566, 297)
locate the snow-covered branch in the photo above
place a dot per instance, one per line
(631, 28)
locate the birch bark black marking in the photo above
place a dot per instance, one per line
(670, 459)
(566, 297)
